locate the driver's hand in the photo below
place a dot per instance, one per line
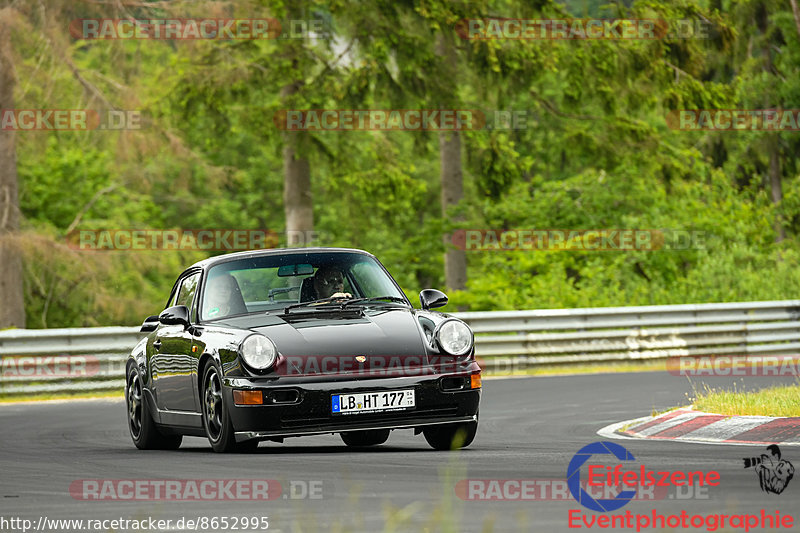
(342, 295)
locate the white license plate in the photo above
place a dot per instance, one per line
(372, 402)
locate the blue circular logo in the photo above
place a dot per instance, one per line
(574, 477)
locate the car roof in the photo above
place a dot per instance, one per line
(211, 261)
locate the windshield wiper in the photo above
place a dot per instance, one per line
(339, 303)
(375, 299)
(325, 303)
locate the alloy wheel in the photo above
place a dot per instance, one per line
(213, 405)
(134, 398)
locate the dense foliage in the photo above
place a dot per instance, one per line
(595, 150)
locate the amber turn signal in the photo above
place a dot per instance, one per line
(248, 397)
(475, 381)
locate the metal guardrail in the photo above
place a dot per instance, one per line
(64, 360)
(504, 340)
(620, 334)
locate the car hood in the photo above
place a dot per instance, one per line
(330, 343)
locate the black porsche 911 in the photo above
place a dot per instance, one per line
(270, 344)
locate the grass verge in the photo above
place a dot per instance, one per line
(42, 397)
(774, 401)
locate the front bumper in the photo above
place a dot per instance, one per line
(302, 406)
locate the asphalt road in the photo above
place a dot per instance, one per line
(529, 429)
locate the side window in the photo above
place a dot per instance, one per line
(187, 291)
(172, 299)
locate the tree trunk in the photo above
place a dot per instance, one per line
(12, 303)
(796, 14)
(455, 260)
(773, 147)
(297, 203)
(776, 189)
(298, 206)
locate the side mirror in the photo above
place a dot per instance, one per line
(173, 316)
(150, 324)
(431, 298)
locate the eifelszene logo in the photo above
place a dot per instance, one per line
(774, 473)
(607, 476)
(625, 472)
(574, 476)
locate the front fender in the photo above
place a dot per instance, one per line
(138, 358)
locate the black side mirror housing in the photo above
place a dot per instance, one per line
(174, 316)
(150, 324)
(431, 299)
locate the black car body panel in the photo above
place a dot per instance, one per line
(322, 350)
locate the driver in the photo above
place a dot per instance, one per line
(220, 296)
(329, 283)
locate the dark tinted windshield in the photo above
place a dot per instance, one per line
(273, 282)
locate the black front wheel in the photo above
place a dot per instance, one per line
(370, 437)
(143, 429)
(216, 420)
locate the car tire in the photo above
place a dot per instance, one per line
(451, 436)
(144, 431)
(216, 419)
(370, 437)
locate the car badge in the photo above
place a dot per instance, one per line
(361, 358)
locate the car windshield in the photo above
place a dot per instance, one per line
(267, 283)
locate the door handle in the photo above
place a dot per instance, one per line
(157, 344)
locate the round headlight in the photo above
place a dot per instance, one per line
(454, 337)
(258, 352)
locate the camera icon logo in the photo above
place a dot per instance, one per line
(774, 473)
